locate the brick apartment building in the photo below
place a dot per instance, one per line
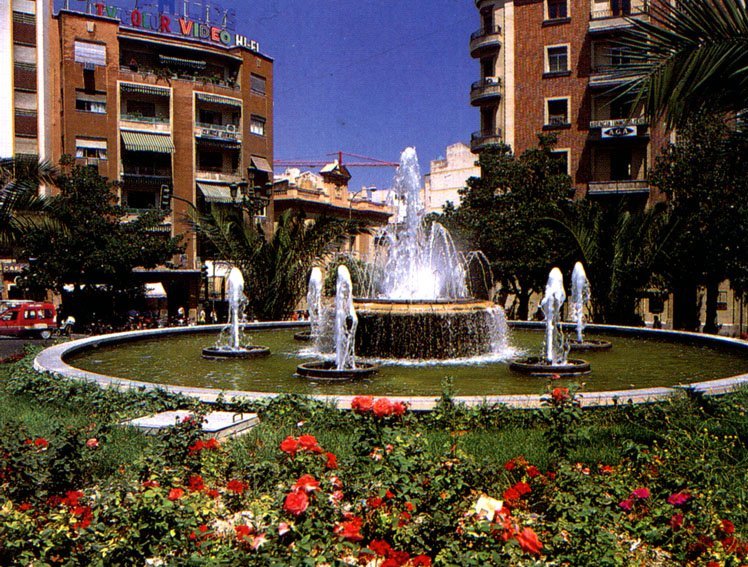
(545, 66)
(176, 109)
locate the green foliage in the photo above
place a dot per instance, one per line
(505, 213)
(95, 247)
(362, 275)
(275, 267)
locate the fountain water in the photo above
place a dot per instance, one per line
(554, 359)
(580, 296)
(314, 307)
(234, 347)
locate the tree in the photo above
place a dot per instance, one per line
(705, 177)
(275, 267)
(96, 251)
(21, 209)
(505, 213)
(690, 56)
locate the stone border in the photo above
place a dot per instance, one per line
(51, 360)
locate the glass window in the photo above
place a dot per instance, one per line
(29, 314)
(11, 316)
(557, 9)
(258, 84)
(562, 159)
(558, 112)
(91, 53)
(257, 125)
(88, 148)
(558, 59)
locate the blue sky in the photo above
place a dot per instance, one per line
(367, 77)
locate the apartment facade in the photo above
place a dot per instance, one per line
(545, 66)
(447, 176)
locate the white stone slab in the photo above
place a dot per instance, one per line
(218, 424)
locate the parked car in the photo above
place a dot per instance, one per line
(29, 318)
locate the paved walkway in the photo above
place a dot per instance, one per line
(11, 345)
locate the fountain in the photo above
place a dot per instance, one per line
(580, 295)
(344, 367)
(314, 307)
(419, 306)
(555, 359)
(234, 347)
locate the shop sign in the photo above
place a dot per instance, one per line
(619, 132)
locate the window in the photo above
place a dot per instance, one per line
(558, 112)
(557, 10)
(141, 108)
(210, 161)
(141, 199)
(619, 56)
(90, 148)
(258, 84)
(29, 314)
(621, 7)
(209, 117)
(562, 159)
(12, 316)
(90, 103)
(558, 59)
(257, 125)
(90, 53)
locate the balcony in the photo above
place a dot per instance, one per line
(231, 132)
(615, 17)
(483, 138)
(145, 123)
(603, 76)
(137, 73)
(623, 187)
(146, 174)
(484, 41)
(485, 91)
(618, 122)
(218, 174)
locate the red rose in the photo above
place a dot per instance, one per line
(212, 444)
(362, 404)
(409, 506)
(640, 493)
(41, 443)
(678, 499)
(350, 529)
(375, 502)
(380, 547)
(212, 493)
(195, 483)
(309, 443)
(243, 531)
(532, 471)
(25, 507)
(522, 488)
(421, 561)
(307, 483)
(296, 503)
(529, 541)
(388, 495)
(175, 494)
(72, 497)
(289, 445)
(606, 469)
(382, 407)
(399, 409)
(511, 494)
(560, 395)
(510, 465)
(727, 527)
(332, 461)
(236, 486)
(196, 447)
(676, 521)
(626, 504)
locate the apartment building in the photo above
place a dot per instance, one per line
(447, 176)
(546, 66)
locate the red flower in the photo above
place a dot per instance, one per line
(560, 395)
(676, 521)
(375, 502)
(41, 443)
(640, 493)
(212, 444)
(626, 504)
(511, 494)
(727, 527)
(404, 519)
(309, 443)
(236, 486)
(362, 404)
(380, 547)
(307, 483)
(389, 495)
(382, 407)
(25, 507)
(150, 483)
(510, 465)
(289, 445)
(523, 488)
(212, 493)
(296, 503)
(532, 471)
(332, 461)
(678, 499)
(409, 506)
(350, 529)
(175, 494)
(243, 532)
(72, 497)
(195, 483)
(196, 447)
(92, 443)
(529, 541)
(421, 561)
(606, 469)
(399, 409)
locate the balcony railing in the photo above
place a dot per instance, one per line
(148, 123)
(218, 174)
(628, 186)
(146, 171)
(616, 122)
(220, 131)
(145, 119)
(486, 90)
(482, 138)
(183, 76)
(485, 39)
(620, 11)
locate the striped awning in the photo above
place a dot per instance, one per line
(261, 164)
(145, 142)
(218, 99)
(192, 63)
(144, 89)
(215, 193)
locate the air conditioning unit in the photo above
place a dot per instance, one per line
(491, 80)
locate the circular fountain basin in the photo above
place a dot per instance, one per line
(589, 344)
(325, 371)
(224, 352)
(423, 329)
(304, 336)
(536, 366)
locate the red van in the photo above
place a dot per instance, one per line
(29, 318)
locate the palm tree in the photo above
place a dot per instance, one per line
(691, 55)
(21, 208)
(275, 267)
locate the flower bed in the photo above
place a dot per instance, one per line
(378, 486)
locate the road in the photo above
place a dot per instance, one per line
(12, 345)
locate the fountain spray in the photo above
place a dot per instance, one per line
(580, 295)
(346, 322)
(236, 299)
(314, 302)
(553, 301)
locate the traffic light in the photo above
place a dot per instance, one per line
(166, 197)
(204, 272)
